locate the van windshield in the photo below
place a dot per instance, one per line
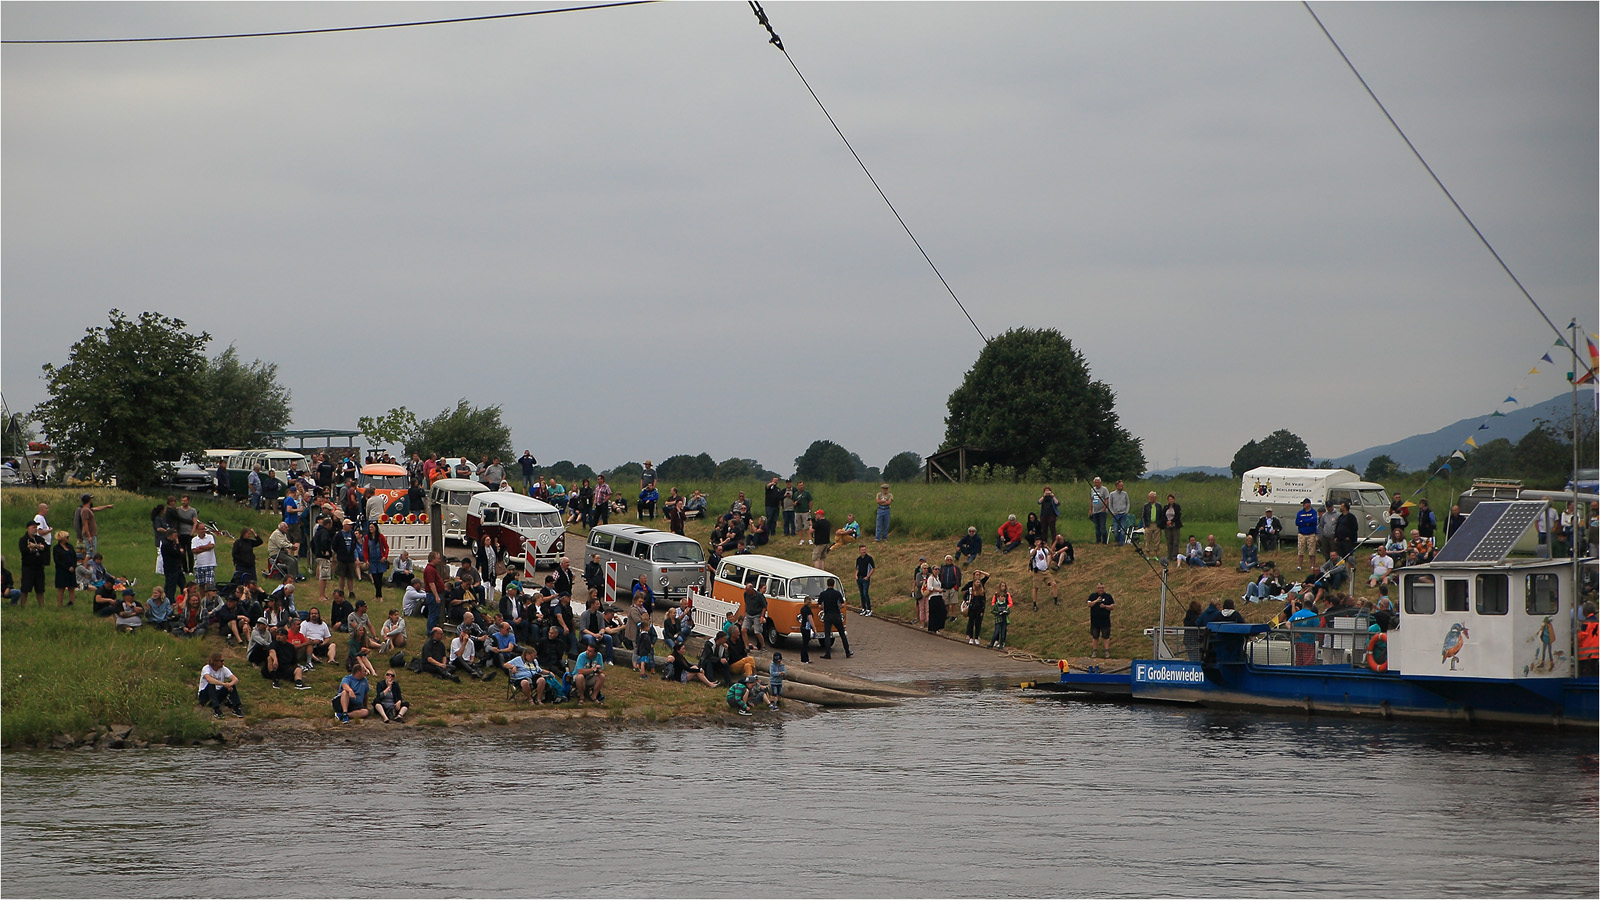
(679, 552)
(387, 482)
(540, 520)
(1374, 498)
(459, 498)
(808, 586)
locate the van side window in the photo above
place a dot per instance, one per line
(1542, 599)
(641, 550)
(491, 515)
(733, 572)
(1455, 595)
(622, 546)
(600, 540)
(1494, 595)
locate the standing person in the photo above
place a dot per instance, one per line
(187, 515)
(949, 580)
(586, 503)
(527, 463)
(244, 556)
(45, 530)
(974, 604)
(253, 483)
(934, 592)
(1172, 527)
(65, 557)
(1427, 523)
(802, 509)
(35, 551)
(203, 551)
(1327, 525)
(1039, 566)
(375, 550)
(292, 507)
(1099, 510)
(832, 603)
(1120, 505)
(1150, 516)
(1100, 606)
(864, 568)
(1346, 531)
(602, 502)
(772, 499)
(1305, 526)
(807, 618)
(787, 508)
(218, 686)
(884, 499)
(83, 522)
(1454, 523)
(755, 613)
(171, 560)
(821, 536)
(1001, 604)
(1049, 510)
(919, 587)
(493, 475)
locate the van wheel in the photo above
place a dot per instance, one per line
(770, 635)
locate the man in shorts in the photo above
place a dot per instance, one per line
(755, 613)
(1100, 606)
(1305, 526)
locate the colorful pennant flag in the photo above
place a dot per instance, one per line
(1483, 426)
(1458, 455)
(1547, 358)
(1509, 400)
(1471, 442)
(1497, 413)
(1533, 371)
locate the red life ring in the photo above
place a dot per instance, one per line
(1372, 645)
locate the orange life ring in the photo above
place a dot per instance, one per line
(1372, 645)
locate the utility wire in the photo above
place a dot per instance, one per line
(761, 16)
(256, 34)
(1418, 154)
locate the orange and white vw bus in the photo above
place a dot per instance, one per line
(786, 585)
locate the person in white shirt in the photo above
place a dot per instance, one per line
(463, 650)
(41, 521)
(414, 601)
(204, 547)
(1039, 565)
(318, 636)
(1382, 565)
(218, 686)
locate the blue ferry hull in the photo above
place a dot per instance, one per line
(1324, 689)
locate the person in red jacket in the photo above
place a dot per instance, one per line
(1009, 535)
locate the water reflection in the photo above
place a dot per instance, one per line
(959, 794)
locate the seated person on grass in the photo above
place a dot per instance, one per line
(1211, 554)
(435, 657)
(359, 648)
(1193, 554)
(739, 697)
(105, 600)
(1061, 553)
(680, 669)
(464, 656)
(130, 614)
(219, 686)
(260, 643)
(281, 663)
(1249, 558)
(526, 675)
(319, 637)
(1008, 536)
(393, 632)
(339, 613)
(231, 622)
(190, 620)
(503, 643)
(158, 612)
(389, 704)
(553, 651)
(589, 673)
(351, 701)
(970, 545)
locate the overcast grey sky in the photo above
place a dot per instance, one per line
(634, 230)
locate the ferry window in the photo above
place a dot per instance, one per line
(600, 540)
(1494, 595)
(623, 546)
(1542, 599)
(1455, 595)
(1420, 600)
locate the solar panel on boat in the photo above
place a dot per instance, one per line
(1491, 531)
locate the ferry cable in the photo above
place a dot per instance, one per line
(1451, 197)
(774, 40)
(256, 34)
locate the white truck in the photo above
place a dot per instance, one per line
(1281, 490)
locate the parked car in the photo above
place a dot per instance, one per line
(186, 476)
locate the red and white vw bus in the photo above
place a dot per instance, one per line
(518, 525)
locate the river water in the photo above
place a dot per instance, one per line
(961, 794)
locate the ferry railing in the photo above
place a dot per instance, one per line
(1178, 642)
(1344, 645)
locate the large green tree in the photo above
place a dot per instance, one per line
(464, 430)
(1281, 448)
(686, 468)
(1380, 468)
(397, 426)
(827, 461)
(903, 466)
(131, 394)
(242, 401)
(1030, 401)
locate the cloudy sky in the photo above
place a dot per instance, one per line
(634, 230)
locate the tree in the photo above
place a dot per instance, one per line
(736, 469)
(397, 426)
(628, 473)
(131, 395)
(827, 461)
(1380, 468)
(1281, 448)
(903, 466)
(686, 468)
(1030, 402)
(242, 401)
(567, 473)
(466, 431)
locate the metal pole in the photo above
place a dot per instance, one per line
(1161, 626)
(1577, 571)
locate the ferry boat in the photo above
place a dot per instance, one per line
(1483, 634)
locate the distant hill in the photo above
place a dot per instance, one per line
(1177, 470)
(1417, 451)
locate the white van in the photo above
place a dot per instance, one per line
(520, 526)
(1281, 490)
(670, 563)
(453, 495)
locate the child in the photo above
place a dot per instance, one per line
(738, 697)
(644, 647)
(775, 672)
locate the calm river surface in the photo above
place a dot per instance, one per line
(962, 794)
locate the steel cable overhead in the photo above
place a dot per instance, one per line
(774, 40)
(1451, 197)
(256, 34)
